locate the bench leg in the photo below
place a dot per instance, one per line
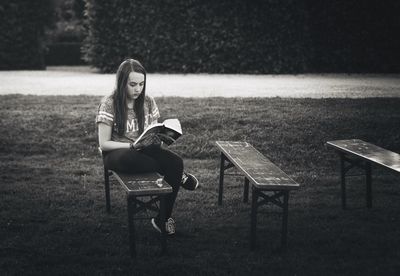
(221, 179)
(132, 210)
(285, 219)
(163, 230)
(368, 177)
(253, 223)
(343, 181)
(274, 199)
(107, 189)
(131, 203)
(246, 190)
(368, 182)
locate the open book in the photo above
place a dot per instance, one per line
(168, 131)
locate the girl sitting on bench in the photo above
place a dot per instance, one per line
(121, 118)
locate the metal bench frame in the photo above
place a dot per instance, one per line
(356, 153)
(260, 196)
(346, 164)
(139, 202)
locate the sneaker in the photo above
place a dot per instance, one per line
(169, 226)
(189, 181)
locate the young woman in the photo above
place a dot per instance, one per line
(122, 117)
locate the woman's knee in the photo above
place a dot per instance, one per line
(171, 164)
(175, 161)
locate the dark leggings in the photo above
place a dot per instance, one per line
(161, 160)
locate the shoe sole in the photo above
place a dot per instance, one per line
(195, 187)
(197, 182)
(153, 222)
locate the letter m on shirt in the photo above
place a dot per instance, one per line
(131, 125)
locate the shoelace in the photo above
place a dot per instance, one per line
(184, 177)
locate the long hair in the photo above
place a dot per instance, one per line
(120, 94)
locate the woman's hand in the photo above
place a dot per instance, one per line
(151, 140)
(166, 139)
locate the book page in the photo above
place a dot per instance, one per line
(169, 129)
(173, 124)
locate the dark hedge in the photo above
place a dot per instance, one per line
(354, 36)
(22, 33)
(244, 36)
(64, 53)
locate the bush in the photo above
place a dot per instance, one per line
(258, 36)
(64, 53)
(22, 33)
(65, 39)
(196, 36)
(354, 36)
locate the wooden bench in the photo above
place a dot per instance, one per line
(143, 192)
(357, 153)
(268, 182)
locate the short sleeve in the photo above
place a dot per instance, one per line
(105, 113)
(155, 113)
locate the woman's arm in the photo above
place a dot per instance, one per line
(105, 141)
(155, 121)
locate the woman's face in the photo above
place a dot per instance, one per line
(135, 85)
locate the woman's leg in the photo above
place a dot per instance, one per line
(130, 161)
(161, 160)
(171, 167)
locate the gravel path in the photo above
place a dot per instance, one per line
(83, 80)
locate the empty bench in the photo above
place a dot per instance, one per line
(143, 192)
(268, 182)
(357, 153)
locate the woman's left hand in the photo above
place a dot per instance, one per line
(151, 140)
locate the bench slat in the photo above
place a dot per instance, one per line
(260, 171)
(142, 184)
(368, 151)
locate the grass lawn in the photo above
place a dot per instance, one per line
(53, 218)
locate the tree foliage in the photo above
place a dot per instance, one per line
(196, 36)
(22, 33)
(245, 36)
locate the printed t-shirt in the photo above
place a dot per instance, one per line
(106, 115)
